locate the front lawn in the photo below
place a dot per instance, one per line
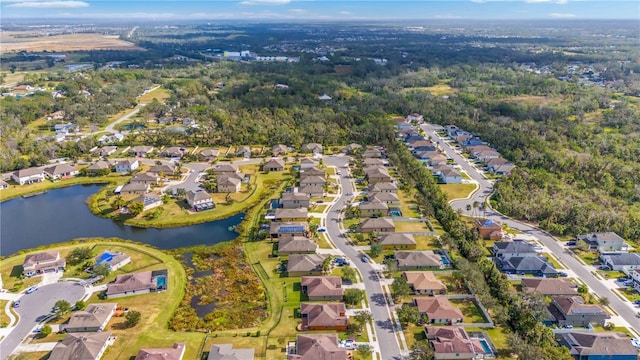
(589, 257)
(457, 191)
(553, 261)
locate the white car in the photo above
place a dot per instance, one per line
(636, 343)
(31, 289)
(349, 344)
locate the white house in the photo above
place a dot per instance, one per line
(450, 176)
(28, 176)
(127, 166)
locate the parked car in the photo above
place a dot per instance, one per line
(568, 326)
(16, 304)
(562, 274)
(628, 283)
(322, 229)
(31, 289)
(364, 259)
(571, 243)
(604, 267)
(637, 302)
(635, 342)
(350, 345)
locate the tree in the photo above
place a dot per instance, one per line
(353, 296)
(135, 208)
(326, 264)
(79, 255)
(132, 319)
(408, 314)
(101, 269)
(364, 351)
(422, 350)
(604, 301)
(400, 287)
(80, 305)
(362, 317)
(119, 202)
(45, 331)
(348, 274)
(376, 250)
(62, 307)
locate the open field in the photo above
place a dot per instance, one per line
(457, 191)
(533, 100)
(58, 43)
(436, 90)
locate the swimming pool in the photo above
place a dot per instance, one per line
(104, 257)
(395, 213)
(161, 282)
(485, 346)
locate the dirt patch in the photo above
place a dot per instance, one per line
(14, 42)
(533, 100)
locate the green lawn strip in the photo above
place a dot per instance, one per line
(450, 281)
(437, 227)
(457, 191)
(413, 333)
(619, 329)
(14, 191)
(498, 338)
(37, 355)
(159, 93)
(321, 240)
(411, 226)
(553, 261)
(427, 242)
(315, 208)
(4, 319)
(629, 293)
(589, 257)
(407, 204)
(470, 311)
(53, 337)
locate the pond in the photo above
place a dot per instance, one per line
(62, 215)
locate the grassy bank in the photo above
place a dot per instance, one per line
(14, 191)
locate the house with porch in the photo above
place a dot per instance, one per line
(282, 229)
(137, 283)
(284, 215)
(174, 152)
(383, 187)
(141, 150)
(127, 166)
(378, 225)
(572, 310)
(598, 346)
(279, 149)
(42, 263)
(453, 342)
(374, 209)
(209, 155)
(85, 346)
(324, 316)
(28, 176)
(419, 260)
(290, 244)
(227, 352)
(275, 164)
(318, 288)
(317, 347)
(526, 265)
(305, 264)
(439, 310)
(604, 242)
(199, 200)
(388, 198)
(176, 352)
(489, 229)
(294, 200)
(450, 176)
(94, 318)
(549, 287)
(396, 241)
(424, 283)
(228, 184)
(314, 148)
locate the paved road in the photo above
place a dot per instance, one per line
(34, 305)
(384, 328)
(624, 308)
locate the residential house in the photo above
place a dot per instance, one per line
(280, 229)
(3, 184)
(99, 167)
(352, 148)
(415, 117)
(199, 200)
(42, 263)
(473, 141)
(227, 352)
(293, 244)
(526, 265)
(305, 264)
(137, 283)
(635, 277)
(318, 288)
(424, 283)
(384, 197)
(422, 146)
(418, 260)
(173, 353)
(134, 189)
(603, 241)
(502, 170)
(489, 229)
(225, 169)
(377, 174)
(487, 154)
(294, 200)
(497, 161)
(209, 154)
(397, 241)
(94, 318)
(372, 154)
(439, 310)
(312, 171)
(507, 249)
(228, 184)
(383, 187)
(453, 342)
(65, 129)
(378, 225)
(571, 310)
(403, 124)
(112, 260)
(28, 176)
(450, 176)
(313, 180)
(622, 262)
(57, 115)
(149, 201)
(145, 178)
(279, 149)
(81, 346)
(162, 170)
(474, 150)
(317, 347)
(413, 136)
(452, 131)
(60, 171)
(173, 152)
(375, 162)
(313, 191)
(598, 346)
(314, 148)
(106, 151)
(127, 166)
(141, 151)
(436, 170)
(244, 151)
(110, 138)
(549, 287)
(299, 214)
(306, 163)
(374, 209)
(325, 316)
(274, 164)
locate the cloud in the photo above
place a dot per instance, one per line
(265, 2)
(526, 1)
(562, 16)
(298, 11)
(343, 12)
(48, 4)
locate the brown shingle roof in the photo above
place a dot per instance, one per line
(318, 347)
(452, 340)
(322, 285)
(325, 314)
(174, 353)
(298, 244)
(130, 282)
(437, 308)
(423, 280)
(549, 286)
(80, 346)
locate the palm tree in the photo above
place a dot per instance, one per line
(119, 202)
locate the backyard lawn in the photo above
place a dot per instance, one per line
(411, 226)
(18, 190)
(472, 314)
(408, 204)
(426, 242)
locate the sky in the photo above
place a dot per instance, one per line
(321, 10)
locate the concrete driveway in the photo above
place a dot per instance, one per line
(625, 309)
(34, 305)
(385, 328)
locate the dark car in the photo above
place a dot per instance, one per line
(16, 304)
(563, 274)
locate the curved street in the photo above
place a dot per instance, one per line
(35, 305)
(625, 309)
(385, 329)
